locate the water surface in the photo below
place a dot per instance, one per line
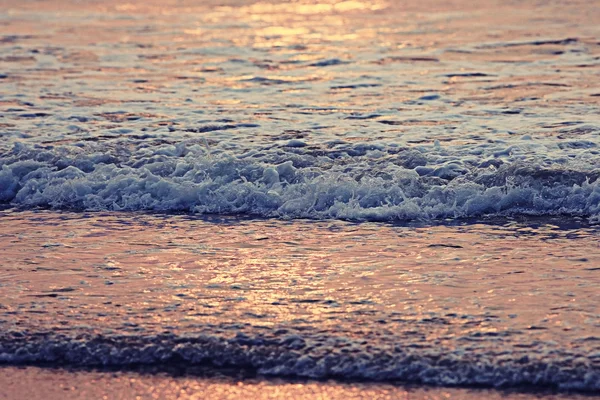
(364, 190)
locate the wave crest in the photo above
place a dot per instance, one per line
(293, 185)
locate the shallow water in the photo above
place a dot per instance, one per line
(506, 305)
(35, 383)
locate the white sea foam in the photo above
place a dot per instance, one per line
(310, 357)
(354, 182)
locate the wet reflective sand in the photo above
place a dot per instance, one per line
(34, 383)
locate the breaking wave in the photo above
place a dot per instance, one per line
(356, 182)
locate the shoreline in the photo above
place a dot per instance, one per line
(562, 221)
(57, 383)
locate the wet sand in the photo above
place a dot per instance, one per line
(55, 384)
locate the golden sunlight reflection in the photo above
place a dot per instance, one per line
(274, 273)
(304, 7)
(298, 22)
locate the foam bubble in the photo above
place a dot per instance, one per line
(297, 182)
(311, 357)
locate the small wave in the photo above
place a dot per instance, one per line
(353, 182)
(299, 356)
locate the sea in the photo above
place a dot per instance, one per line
(365, 191)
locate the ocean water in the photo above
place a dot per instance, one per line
(371, 190)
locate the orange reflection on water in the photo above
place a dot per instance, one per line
(323, 274)
(301, 22)
(304, 7)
